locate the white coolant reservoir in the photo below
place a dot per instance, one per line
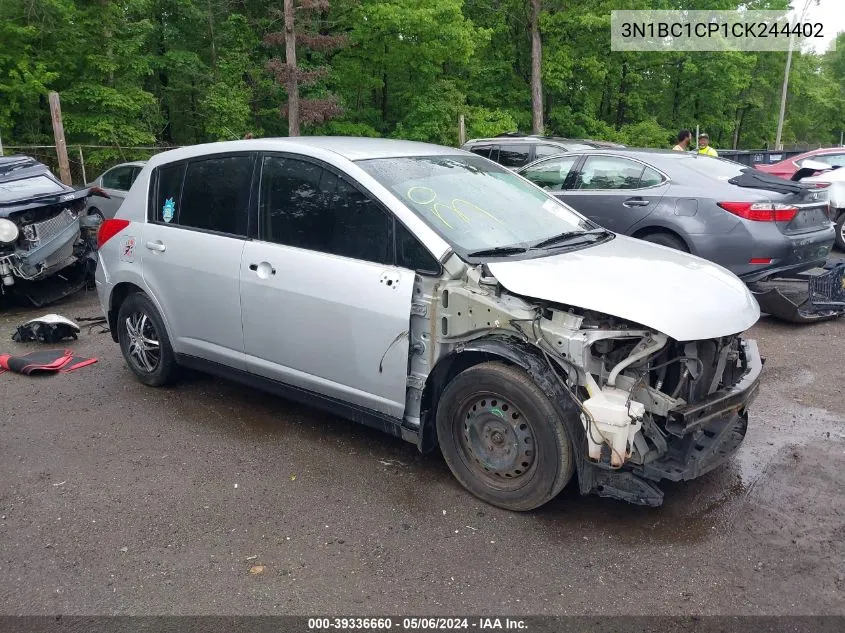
(615, 421)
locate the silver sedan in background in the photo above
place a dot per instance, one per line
(116, 182)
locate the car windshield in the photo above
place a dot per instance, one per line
(27, 188)
(474, 204)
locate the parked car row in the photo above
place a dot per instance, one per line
(440, 297)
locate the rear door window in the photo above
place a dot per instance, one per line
(551, 175)
(608, 172)
(481, 150)
(215, 196)
(514, 155)
(542, 150)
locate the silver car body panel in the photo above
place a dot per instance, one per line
(642, 282)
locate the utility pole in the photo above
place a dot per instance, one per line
(462, 130)
(59, 135)
(785, 87)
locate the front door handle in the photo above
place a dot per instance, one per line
(264, 269)
(635, 202)
(158, 246)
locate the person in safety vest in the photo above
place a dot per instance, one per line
(704, 145)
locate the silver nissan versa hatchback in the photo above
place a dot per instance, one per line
(440, 297)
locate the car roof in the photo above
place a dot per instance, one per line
(18, 167)
(527, 138)
(350, 147)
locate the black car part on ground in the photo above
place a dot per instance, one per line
(805, 298)
(50, 328)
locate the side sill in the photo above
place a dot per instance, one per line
(352, 412)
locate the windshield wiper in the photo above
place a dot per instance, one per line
(498, 250)
(568, 236)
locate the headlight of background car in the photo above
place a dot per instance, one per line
(8, 231)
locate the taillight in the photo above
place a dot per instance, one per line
(761, 211)
(108, 229)
(821, 185)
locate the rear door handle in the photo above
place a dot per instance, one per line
(156, 246)
(264, 269)
(635, 202)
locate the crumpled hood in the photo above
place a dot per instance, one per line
(683, 296)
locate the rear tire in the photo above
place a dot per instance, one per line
(144, 341)
(502, 437)
(840, 231)
(666, 239)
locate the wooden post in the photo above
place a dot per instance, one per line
(1, 144)
(59, 135)
(462, 130)
(82, 162)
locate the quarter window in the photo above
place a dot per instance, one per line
(609, 172)
(307, 206)
(168, 192)
(650, 178)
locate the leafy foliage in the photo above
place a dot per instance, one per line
(139, 72)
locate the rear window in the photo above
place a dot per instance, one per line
(718, 168)
(28, 188)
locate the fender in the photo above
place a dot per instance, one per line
(514, 352)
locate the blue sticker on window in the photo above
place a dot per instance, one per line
(168, 210)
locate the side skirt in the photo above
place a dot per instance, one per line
(342, 409)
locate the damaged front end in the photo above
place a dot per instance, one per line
(47, 244)
(639, 406)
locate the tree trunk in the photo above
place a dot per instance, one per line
(536, 64)
(213, 44)
(620, 105)
(290, 60)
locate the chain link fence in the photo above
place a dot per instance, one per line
(87, 162)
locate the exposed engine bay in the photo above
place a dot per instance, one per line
(648, 407)
(47, 243)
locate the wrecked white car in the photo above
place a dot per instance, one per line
(442, 298)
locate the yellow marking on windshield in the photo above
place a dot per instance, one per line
(472, 204)
(424, 189)
(437, 213)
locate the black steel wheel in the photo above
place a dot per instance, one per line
(502, 437)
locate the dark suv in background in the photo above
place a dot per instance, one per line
(515, 150)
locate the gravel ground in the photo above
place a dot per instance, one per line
(212, 498)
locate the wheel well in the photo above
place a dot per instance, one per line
(118, 296)
(653, 230)
(442, 374)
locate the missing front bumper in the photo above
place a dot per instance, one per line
(704, 436)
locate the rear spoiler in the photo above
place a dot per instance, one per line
(755, 179)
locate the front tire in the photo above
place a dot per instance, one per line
(502, 437)
(144, 342)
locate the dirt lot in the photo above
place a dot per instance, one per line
(120, 499)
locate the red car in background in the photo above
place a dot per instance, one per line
(834, 156)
